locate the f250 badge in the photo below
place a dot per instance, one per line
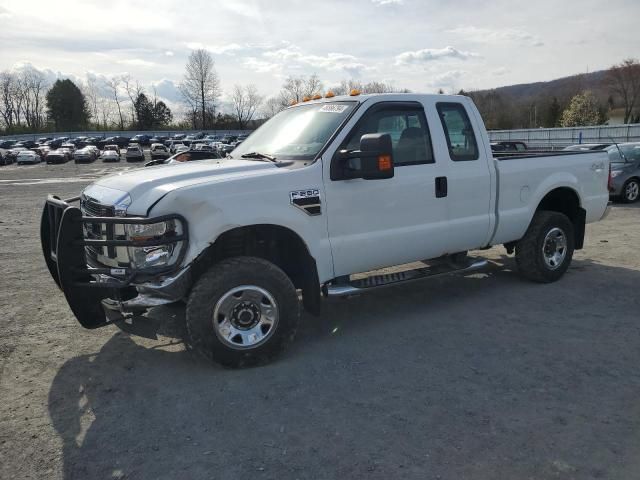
(307, 200)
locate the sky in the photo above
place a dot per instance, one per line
(420, 45)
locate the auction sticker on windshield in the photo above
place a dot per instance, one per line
(334, 108)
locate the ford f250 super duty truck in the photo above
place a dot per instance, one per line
(323, 192)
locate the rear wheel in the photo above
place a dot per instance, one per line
(631, 191)
(242, 312)
(545, 252)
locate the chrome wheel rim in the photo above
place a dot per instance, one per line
(245, 317)
(554, 248)
(632, 191)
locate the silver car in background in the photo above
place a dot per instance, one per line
(625, 171)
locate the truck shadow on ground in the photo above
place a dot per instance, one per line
(479, 376)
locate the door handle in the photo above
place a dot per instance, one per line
(441, 187)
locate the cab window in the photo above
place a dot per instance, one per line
(458, 132)
(407, 126)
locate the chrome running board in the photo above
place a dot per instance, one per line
(356, 287)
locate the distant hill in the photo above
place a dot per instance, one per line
(561, 88)
(538, 104)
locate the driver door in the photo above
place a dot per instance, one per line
(379, 223)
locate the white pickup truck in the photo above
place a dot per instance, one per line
(323, 192)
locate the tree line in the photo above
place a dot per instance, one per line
(28, 103)
(575, 106)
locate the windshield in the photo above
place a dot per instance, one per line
(297, 133)
(630, 151)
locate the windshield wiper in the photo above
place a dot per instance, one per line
(259, 156)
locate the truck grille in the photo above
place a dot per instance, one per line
(109, 256)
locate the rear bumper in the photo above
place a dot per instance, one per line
(97, 294)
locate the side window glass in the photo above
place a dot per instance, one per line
(458, 132)
(408, 130)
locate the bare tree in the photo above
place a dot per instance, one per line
(201, 86)
(133, 89)
(246, 101)
(113, 84)
(295, 89)
(624, 81)
(271, 107)
(7, 80)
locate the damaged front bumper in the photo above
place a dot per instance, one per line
(99, 294)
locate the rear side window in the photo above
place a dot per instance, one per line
(458, 131)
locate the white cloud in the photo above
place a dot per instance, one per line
(168, 53)
(136, 62)
(497, 35)
(292, 56)
(228, 48)
(388, 2)
(432, 54)
(4, 12)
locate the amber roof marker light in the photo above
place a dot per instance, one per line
(330, 94)
(355, 92)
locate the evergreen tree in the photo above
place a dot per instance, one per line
(67, 106)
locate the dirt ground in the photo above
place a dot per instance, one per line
(485, 376)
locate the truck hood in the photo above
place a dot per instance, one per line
(147, 185)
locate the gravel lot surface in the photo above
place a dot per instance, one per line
(485, 376)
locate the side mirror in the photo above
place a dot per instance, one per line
(374, 160)
(376, 156)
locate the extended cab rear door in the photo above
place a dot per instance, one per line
(458, 142)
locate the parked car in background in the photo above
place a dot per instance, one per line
(26, 144)
(226, 148)
(94, 149)
(158, 139)
(69, 146)
(203, 147)
(625, 171)
(134, 153)
(117, 140)
(42, 151)
(110, 155)
(5, 160)
(174, 144)
(115, 148)
(586, 147)
(43, 140)
(228, 139)
(141, 139)
(85, 155)
(60, 155)
(28, 157)
(158, 150)
(181, 148)
(14, 151)
(185, 156)
(6, 144)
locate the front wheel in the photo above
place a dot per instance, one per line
(242, 312)
(545, 252)
(631, 191)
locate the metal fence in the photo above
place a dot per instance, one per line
(561, 137)
(111, 133)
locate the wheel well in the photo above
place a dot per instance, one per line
(274, 243)
(565, 200)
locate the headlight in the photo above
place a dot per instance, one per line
(157, 255)
(615, 173)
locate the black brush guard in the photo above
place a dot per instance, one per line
(63, 247)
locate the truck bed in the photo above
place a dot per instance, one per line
(522, 180)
